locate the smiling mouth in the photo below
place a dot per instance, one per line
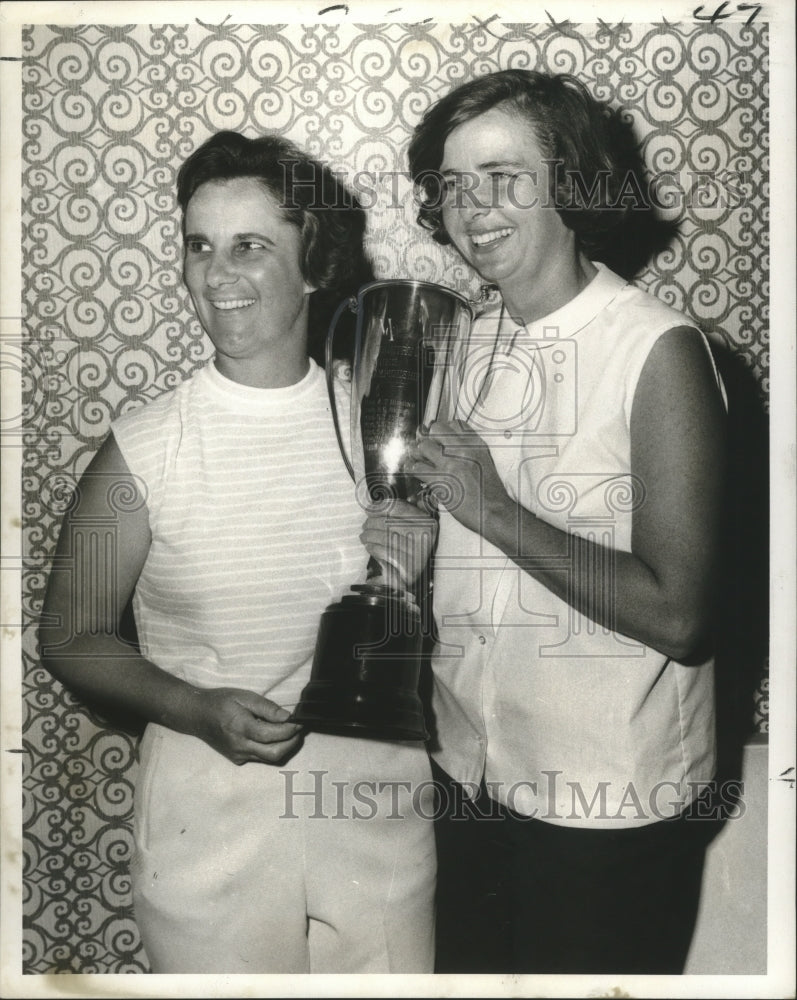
(490, 239)
(227, 304)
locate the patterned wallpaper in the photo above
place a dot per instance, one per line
(109, 113)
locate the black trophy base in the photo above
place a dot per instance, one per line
(366, 668)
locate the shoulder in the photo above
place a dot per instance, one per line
(108, 484)
(150, 414)
(652, 316)
(157, 418)
(148, 437)
(680, 361)
(638, 333)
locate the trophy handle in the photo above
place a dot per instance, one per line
(350, 303)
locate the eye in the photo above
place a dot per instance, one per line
(249, 246)
(195, 246)
(452, 185)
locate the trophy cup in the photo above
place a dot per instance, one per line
(367, 661)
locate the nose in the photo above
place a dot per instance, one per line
(220, 271)
(475, 197)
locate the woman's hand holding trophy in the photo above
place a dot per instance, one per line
(401, 540)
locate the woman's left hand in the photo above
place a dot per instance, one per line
(403, 538)
(457, 467)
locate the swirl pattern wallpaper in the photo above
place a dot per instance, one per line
(110, 112)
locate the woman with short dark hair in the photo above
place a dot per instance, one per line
(583, 169)
(576, 568)
(234, 524)
(330, 221)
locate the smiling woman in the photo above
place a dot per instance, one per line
(502, 225)
(239, 525)
(243, 270)
(590, 463)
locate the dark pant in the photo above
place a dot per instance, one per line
(521, 895)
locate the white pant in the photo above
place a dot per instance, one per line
(323, 864)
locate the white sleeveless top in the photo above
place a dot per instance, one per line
(572, 722)
(255, 529)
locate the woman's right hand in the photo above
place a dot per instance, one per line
(244, 726)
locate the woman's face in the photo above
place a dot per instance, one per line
(497, 209)
(242, 270)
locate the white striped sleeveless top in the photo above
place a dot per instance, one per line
(254, 524)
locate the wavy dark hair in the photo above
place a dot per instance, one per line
(329, 217)
(587, 145)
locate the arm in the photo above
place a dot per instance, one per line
(662, 588)
(81, 614)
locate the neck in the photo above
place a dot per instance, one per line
(528, 303)
(278, 375)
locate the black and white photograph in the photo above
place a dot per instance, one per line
(398, 499)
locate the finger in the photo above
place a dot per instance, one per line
(402, 509)
(403, 552)
(451, 432)
(387, 556)
(426, 500)
(392, 551)
(403, 515)
(414, 521)
(272, 753)
(394, 573)
(377, 535)
(427, 458)
(427, 449)
(259, 731)
(406, 532)
(266, 709)
(442, 428)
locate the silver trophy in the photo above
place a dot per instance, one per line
(368, 653)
